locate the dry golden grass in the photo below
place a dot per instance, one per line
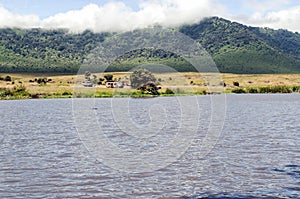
(263, 79)
(189, 82)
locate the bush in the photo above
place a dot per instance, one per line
(4, 92)
(66, 93)
(295, 88)
(252, 90)
(238, 90)
(109, 77)
(149, 88)
(276, 89)
(236, 84)
(169, 92)
(264, 89)
(42, 80)
(16, 91)
(7, 78)
(19, 89)
(281, 89)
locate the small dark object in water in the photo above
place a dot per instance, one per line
(292, 165)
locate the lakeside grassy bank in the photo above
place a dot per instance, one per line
(28, 86)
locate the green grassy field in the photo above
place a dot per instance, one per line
(25, 85)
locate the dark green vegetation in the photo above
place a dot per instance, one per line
(237, 48)
(141, 77)
(267, 89)
(144, 81)
(17, 92)
(234, 47)
(44, 51)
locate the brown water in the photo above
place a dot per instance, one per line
(256, 156)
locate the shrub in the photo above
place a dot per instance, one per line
(295, 88)
(149, 88)
(169, 92)
(19, 89)
(87, 75)
(42, 80)
(238, 90)
(252, 90)
(7, 78)
(236, 84)
(203, 92)
(16, 91)
(281, 89)
(4, 92)
(66, 93)
(109, 77)
(265, 89)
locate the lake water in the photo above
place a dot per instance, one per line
(256, 155)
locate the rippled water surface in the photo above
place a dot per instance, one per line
(256, 156)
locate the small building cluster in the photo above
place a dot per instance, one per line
(87, 83)
(110, 83)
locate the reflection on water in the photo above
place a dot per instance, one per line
(258, 155)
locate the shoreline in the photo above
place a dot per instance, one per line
(145, 96)
(33, 86)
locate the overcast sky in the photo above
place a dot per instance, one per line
(123, 15)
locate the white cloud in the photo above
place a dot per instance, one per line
(266, 5)
(284, 19)
(8, 19)
(116, 16)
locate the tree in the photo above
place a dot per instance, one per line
(42, 81)
(87, 75)
(109, 77)
(95, 80)
(141, 77)
(145, 81)
(149, 88)
(7, 78)
(236, 84)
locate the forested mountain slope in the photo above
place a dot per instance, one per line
(238, 48)
(235, 48)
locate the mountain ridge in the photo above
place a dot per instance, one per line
(235, 48)
(239, 48)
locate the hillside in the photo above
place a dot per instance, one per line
(235, 48)
(45, 51)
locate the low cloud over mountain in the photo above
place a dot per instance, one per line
(117, 16)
